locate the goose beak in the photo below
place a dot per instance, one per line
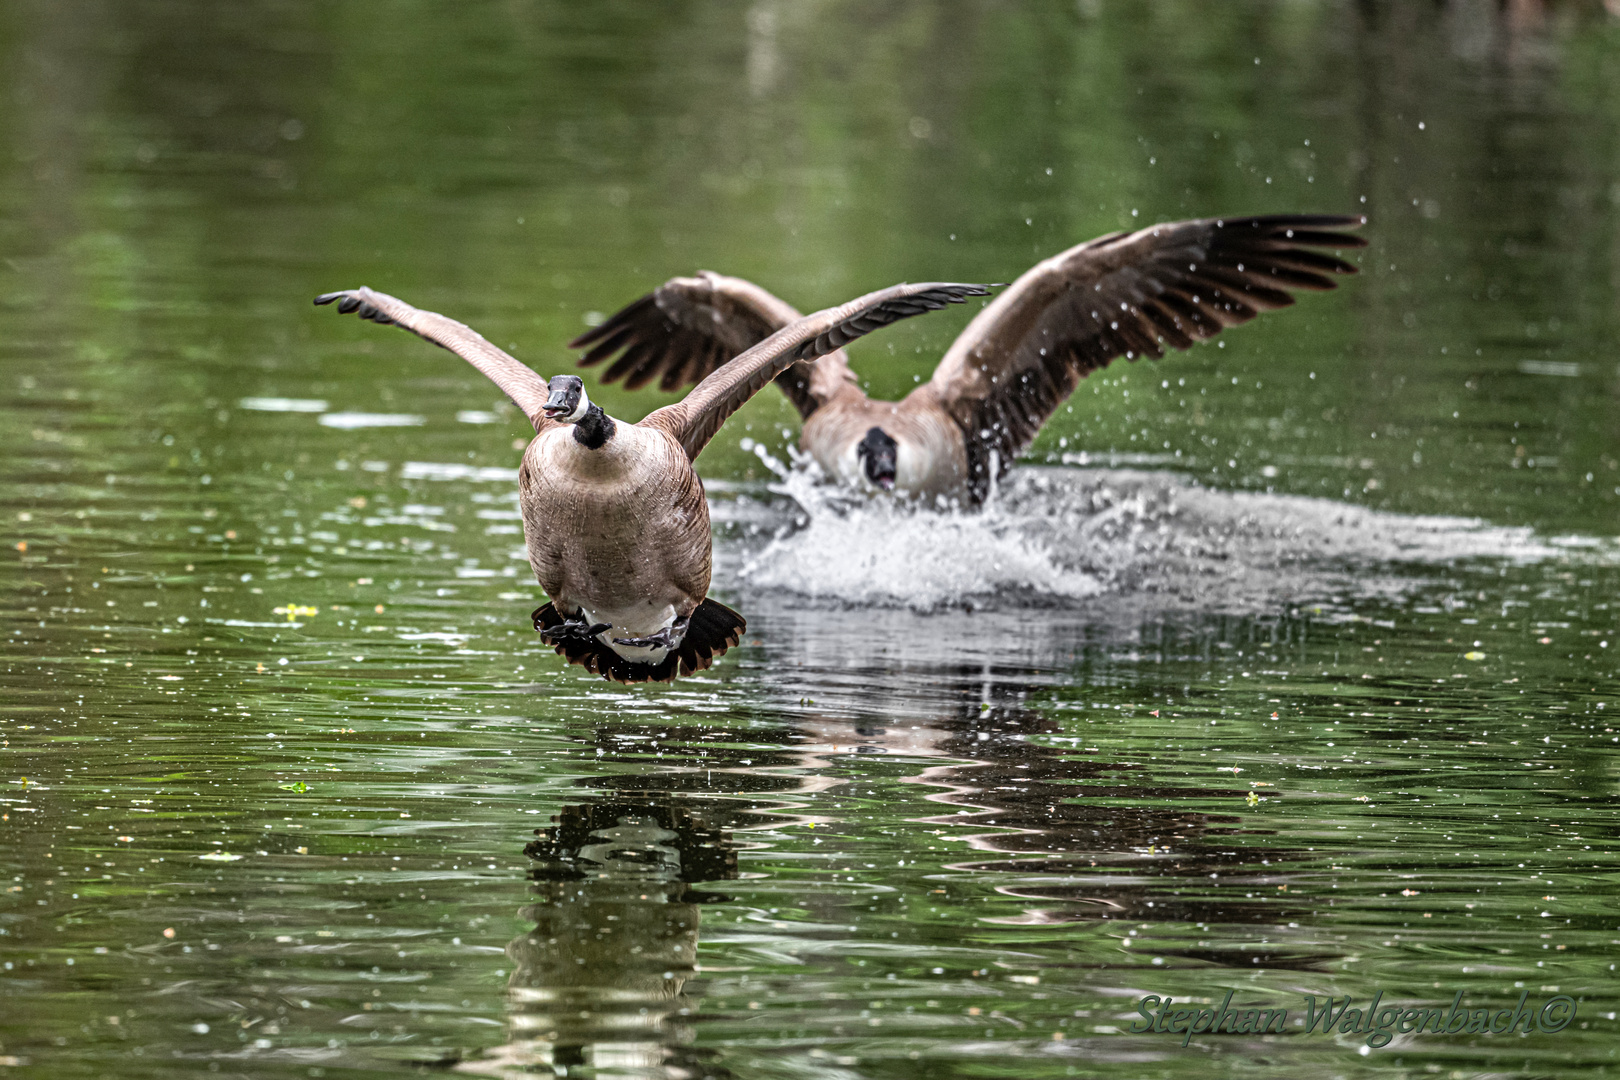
(560, 404)
(886, 483)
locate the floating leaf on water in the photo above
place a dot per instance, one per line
(220, 856)
(1476, 655)
(1252, 799)
(300, 787)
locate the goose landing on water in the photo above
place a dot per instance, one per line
(614, 518)
(1125, 294)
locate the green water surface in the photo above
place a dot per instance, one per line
(291, 788)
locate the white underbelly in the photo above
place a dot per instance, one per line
(638, 621)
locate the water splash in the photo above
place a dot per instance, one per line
(885, 552)
(1064, 536)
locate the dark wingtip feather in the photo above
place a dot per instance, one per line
(1329, 239)
(1315, 229)
(617, 321)
(596, 333)
(347, 302)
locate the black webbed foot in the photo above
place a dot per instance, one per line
(667, 638)
(575, 629)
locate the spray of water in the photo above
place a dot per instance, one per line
(1062, 536)
(882, 551)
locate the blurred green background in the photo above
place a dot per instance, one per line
(179, 178)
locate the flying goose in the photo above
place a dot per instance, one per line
(1124, 294)
(614, 517)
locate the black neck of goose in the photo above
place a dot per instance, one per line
(595, 429)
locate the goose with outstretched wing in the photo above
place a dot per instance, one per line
(1125, 294)
(614, 517)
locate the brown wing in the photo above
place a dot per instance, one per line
(694, 420)
(526, 389)
(1127, 294)
(682, 331)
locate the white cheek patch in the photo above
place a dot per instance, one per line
(910, 469)
(849, 468)
(579, 413)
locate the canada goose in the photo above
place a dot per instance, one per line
(614, 516)
(1124, 294)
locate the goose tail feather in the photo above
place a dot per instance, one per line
(713, 629)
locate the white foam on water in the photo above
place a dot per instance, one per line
(442, 637)
(884, 552)
(454, 470)
(352, 421)
(282, 404)
(1063, 535)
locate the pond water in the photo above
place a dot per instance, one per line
(1283, 667)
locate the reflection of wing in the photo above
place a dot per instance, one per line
(696, 418)
(1128, 294)
(527, 390)
(682, 332)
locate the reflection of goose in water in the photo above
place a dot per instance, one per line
(603, 978)
(1085, 838)
(614, 516)
(1125, 294)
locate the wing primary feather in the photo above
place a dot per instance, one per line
(624, 318)
(602, 348)
(1243, 291)
(629, 366)
(688, 359)
(520, 383)
(1317, 238)
(1126, 294)
(1296, 258)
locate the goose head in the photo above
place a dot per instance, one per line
(879, 455)
(567, 402)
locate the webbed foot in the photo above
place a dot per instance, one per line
(575, 629)
(667, 638)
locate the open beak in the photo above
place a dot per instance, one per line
(885, 482)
